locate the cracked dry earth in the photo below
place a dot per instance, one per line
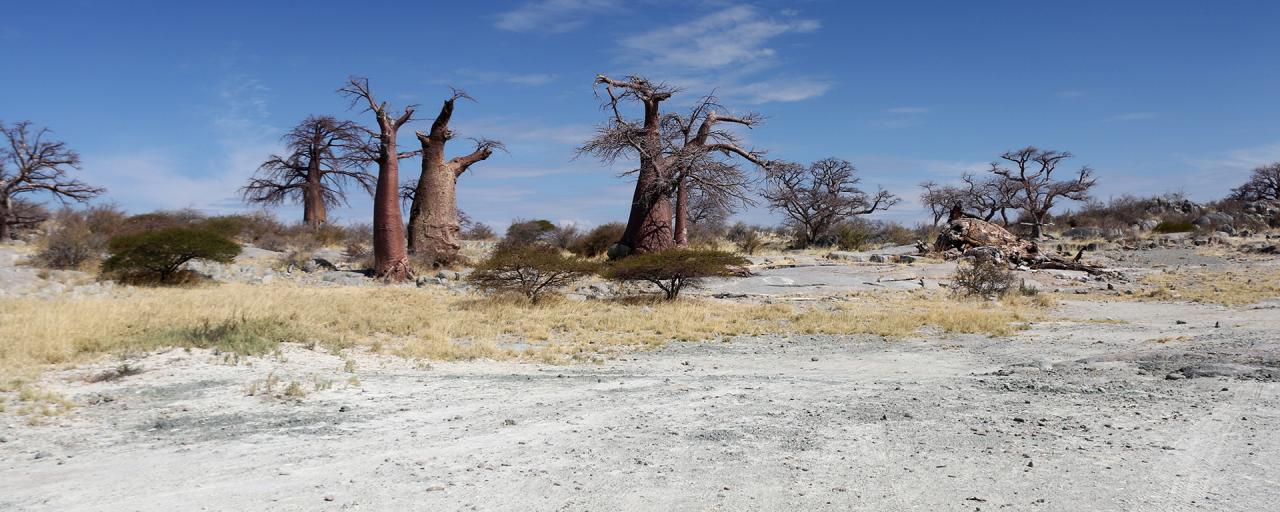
(1077, 413)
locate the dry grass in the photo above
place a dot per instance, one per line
(1230, 288)
(244, 319)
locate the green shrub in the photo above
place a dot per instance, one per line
(1174, 226)
(598, 240)
(674, 269)
(528, 232)
(531, 270)
(156, 256)
(851, 236)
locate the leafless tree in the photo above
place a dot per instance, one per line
(433, 214)
(815, 197)
(988, 196)
(940, 199)
(979, 197)
(31, 163)
(1263, 184)
(675, 152)
(649, 222)
(324, 155)
(390, 254)
(1037, 192)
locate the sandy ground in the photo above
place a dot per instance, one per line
(1070, 415)
(1109, 405)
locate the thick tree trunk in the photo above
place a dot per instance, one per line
(433, 218)
(682, 216)
(6, 212)
(649, 223)
(391, 257)
(313, 209)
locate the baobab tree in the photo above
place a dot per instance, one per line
(816, 197)
(1032, 176)
(433, 213)
(675, 153)
(1263, 184)
(324, 155)
(649, 221)
(31, 163)
(698, 157)
(391, 257)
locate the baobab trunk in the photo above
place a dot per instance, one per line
(391, 256)
(313, 210)
(433, 216)
(649, 223)
(6, 211)
(433, 219)
(682, 216)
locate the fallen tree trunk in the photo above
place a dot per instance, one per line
(969, 237)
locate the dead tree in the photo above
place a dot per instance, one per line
(1263, 184)
(976, 197)
(324, 155)
(698, 155)
(390, 254)
(815, 197)
(1037, 192)
(433, 213)
(649, 222)
(30, 163)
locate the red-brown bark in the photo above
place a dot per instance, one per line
(390, 254)
(433, 214)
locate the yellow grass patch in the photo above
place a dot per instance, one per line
(1231, 288)
(246, 319)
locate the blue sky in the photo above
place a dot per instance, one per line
(174, 104)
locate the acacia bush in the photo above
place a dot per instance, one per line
(673, 270)
(530, 270)
(598, 240)
(155, 257)
(528, 232)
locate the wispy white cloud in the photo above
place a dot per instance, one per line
(782, 90)
(476, 76)
(735, 35)
(1133, 116)
(553, 16)
(730, 51)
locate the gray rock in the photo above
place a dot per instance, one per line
(846, 256)
(618, 251)
(879, 258)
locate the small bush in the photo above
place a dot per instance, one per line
(672, 270)
(532, 271)
(598, 240)
(750, 242)
(564, 236)
(528, 232)
(851, 236)
(1174, 226)
(155, 257)
(985, 277)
